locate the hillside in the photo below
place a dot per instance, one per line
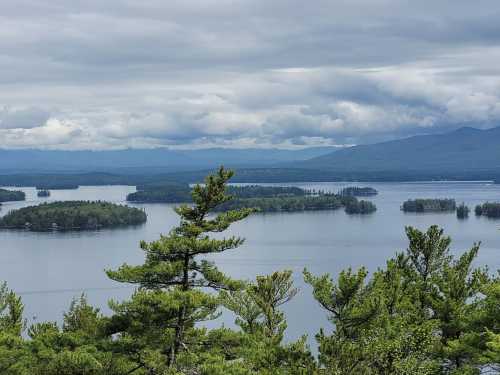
(462, 151)
(154, 160)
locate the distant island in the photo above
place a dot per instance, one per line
(181, 193)
(165, 193)
(43, 193)
(488, 209)
(463, 211)
(429, 205)
(356, 191)
(354, 206)
(284, 204)
(11, 195)
(262, 198)
(72, 215)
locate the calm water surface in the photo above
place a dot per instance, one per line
(49, 269)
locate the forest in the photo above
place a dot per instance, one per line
(11, 195)
(426, 311)
(429, 205)
(72, 215)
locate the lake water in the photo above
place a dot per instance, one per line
(49, 269)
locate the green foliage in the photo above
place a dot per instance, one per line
(429, 205)
(425, 313)
(11, 195)
(285, 204)
(362, 207)
(70, 215)
(163, 313)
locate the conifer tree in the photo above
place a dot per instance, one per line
(172, 282)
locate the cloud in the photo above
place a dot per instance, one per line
(244, 73)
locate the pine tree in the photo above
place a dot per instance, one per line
(172, 295)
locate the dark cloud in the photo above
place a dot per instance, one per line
(108, 74)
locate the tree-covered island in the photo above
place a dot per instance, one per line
(488, 209)
(72, 215)
(429, 205)
(11, 195)
(262, 198)
(43, 193)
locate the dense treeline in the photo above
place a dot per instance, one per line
(488, 209)
(354, 206)
(11, 195)
(145, 176)
(429, 205)
(356, 191)
(171, 193)
(284, 204)
(79, 215)
(425, 312)
(181, 193)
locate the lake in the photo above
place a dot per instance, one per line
(49, 269)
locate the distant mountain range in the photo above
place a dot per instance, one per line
(463, 151)
(464, 154)
(148, 160)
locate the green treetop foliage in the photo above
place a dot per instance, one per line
(11, 195)
(425, 313)
(172, 297)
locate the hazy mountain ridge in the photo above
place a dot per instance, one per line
(463, 150)
(14, 161)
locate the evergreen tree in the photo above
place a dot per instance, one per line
(171, 297)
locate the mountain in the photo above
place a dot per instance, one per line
(462, 152)
(147, 160)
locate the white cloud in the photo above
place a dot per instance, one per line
(193, 73)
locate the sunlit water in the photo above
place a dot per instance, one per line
(49, 269)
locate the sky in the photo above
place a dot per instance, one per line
(119, 74)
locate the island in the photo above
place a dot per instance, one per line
(180, 193)
(354, 206)
(164, 193)
(488, 209)
(43, 193)
(356, 191)
(72, 215)
(11, 195)
(429, 205)
(284, 204)
(463, 211)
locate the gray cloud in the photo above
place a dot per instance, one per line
(115, 74)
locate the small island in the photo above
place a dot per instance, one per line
(356, 191)
(11, 195)
(72, 215)
(429, 205)
(463, 211)
(353, 206)
(488, 209)
(43, 193)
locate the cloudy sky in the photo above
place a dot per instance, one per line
(111, 74)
